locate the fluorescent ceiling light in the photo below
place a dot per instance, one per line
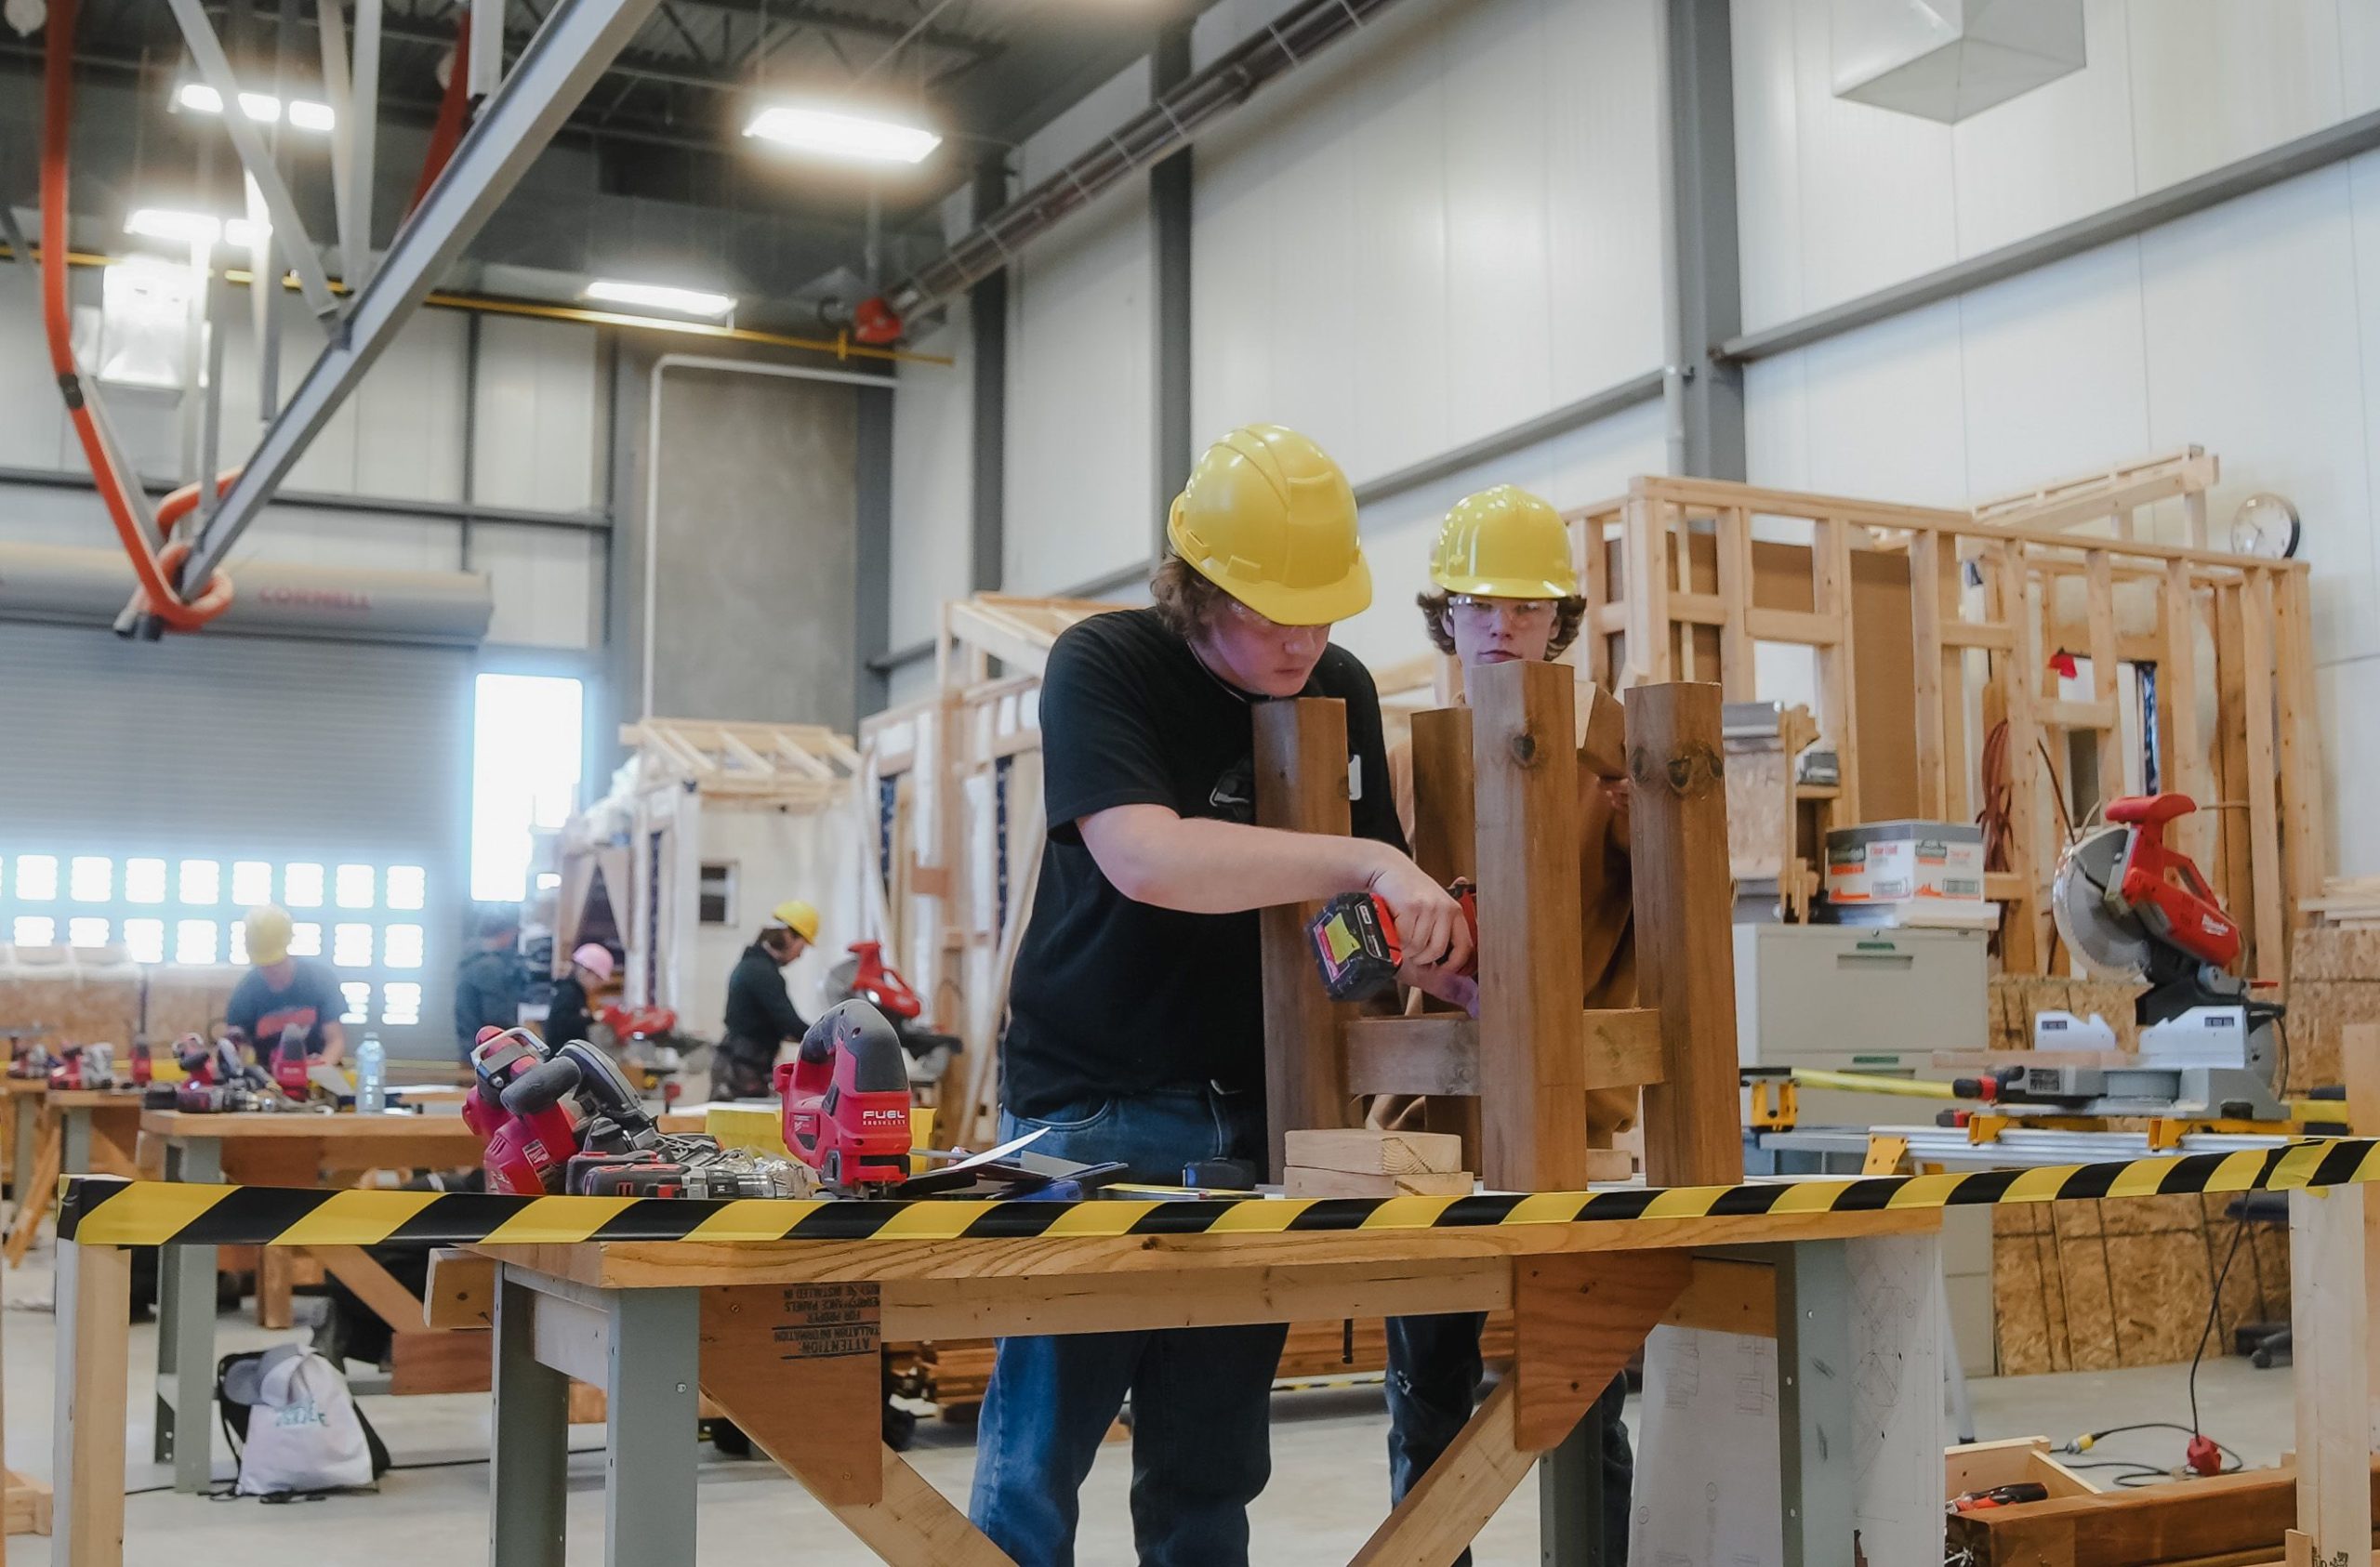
(843, 135)
(656, 296)
(191, 228)
(304, 113)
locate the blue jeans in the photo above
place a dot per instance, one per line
(1433, 1376)
(1202, 1397)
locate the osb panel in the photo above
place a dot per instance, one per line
(2014, 998)
(2318, 1010)
(2328, 951)
(2163, 1295)
(2031, 1324)
(2151, 1216)
(188, 998)
(72, 1005)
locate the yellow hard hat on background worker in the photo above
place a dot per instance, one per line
(797, 916)
(1268, 517)
(268, 932)
(1504, 543)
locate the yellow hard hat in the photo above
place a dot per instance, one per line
(1268, 517)
(1504, 543)
(268, 932)
(796, 916)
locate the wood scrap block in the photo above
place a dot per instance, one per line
(1299, 1181)
(1359, 1150)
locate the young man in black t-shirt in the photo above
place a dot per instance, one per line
(1136, 1012)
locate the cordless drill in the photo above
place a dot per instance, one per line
(1356, 947)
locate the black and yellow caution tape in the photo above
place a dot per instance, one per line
(100, 1211)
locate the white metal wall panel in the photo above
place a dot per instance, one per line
(548, 582)
(363, 540)
(2055, 371)
(226, 748)
(2216, 80)
(540, 416)
(1497, 260)
(33, 420)
(1602, 114)
(412, 403)
(933, 428)
(2251, 316)
(1837, 199)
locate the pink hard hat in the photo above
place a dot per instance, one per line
(595, 958)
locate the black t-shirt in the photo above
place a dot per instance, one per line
(261, 1012)
(1114, 997)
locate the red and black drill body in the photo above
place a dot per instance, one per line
(518, 1111)
(1356, 947)
(846, 1100)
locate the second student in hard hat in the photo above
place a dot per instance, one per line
(1502, 589)
(1136, 1025)
(282, 992)
(569, 1013)
(760, 1014)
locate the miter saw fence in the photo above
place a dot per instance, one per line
(2133, 907)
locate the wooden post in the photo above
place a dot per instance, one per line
(1934, 694)
(1685, 947)
(1532, 1046)
(2330, 1336)
(93, 1317)
(1445, 845)
(2268, 935)
(2181, 754)
(1301, 786)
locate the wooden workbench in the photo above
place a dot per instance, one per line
(74, 1131)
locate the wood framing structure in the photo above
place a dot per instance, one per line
(954, 832)
(1928, 629)
(697, 792)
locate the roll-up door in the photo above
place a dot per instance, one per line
(150, 792)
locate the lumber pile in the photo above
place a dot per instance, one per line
(1361, 1162)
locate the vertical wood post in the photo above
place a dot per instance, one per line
(1532, 1040)
(1301, 788)
(2330, 1333)
(1684, 942)
(87, 1449)
(1446, 846)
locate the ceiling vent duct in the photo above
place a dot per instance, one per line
(1944, 60)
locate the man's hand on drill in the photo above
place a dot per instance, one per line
(1429, 921)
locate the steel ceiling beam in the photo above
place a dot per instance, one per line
(569, 53)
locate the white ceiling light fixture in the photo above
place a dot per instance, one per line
(189, 228)
(835, 134)
(304, 113)
(660, 296)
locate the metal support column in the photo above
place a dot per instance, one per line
(185, 1429)
(650, 1405)
(872, 561)
(987, 320)
(1706, 393)
(1814, 1402)
(529, 1457)
(1169, 212)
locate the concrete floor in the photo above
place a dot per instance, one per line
(1329, 1488)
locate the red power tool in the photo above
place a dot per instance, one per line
(846, 1097)
(2162, 888)
(290, 1063)
(1356, 947)
(517, 1110)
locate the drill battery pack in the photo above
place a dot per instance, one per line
(1355, 946)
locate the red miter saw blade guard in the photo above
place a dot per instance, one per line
(2163, 886)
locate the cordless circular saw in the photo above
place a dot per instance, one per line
(2133, 907)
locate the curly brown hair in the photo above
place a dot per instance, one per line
(1568, 615)
(1186, 601)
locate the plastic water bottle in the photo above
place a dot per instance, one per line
(371, 1077)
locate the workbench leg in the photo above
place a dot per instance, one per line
(1569, 1498)
(186, 1334)
(530, 1455)
(2331, 1331)
(74, 1144)
(94, 1325)
(654, 1362)
(1815, 1401)
(27, 1133)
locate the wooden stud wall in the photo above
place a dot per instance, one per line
(1678, 588)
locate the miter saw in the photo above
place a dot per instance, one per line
(2133, 907)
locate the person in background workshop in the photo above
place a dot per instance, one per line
(760, 1016)
(282, 992)
(568, 1015)
(1502, 589)
(1136, 1016)
(487, 984)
